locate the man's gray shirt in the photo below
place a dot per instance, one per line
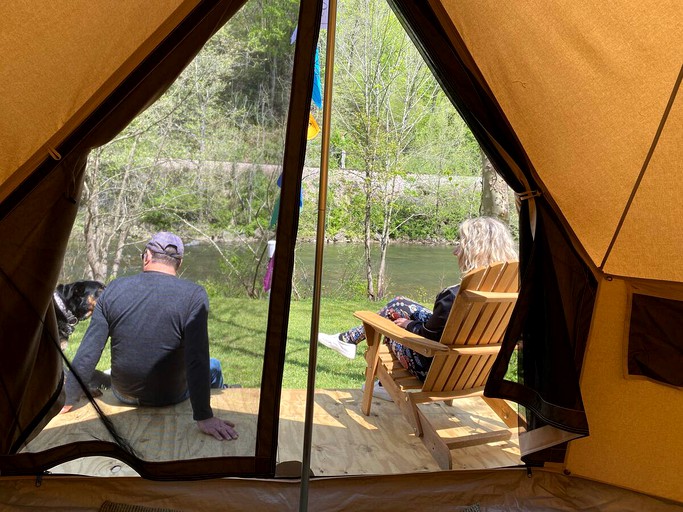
(159, 342)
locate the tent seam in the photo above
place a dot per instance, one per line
(646, 163)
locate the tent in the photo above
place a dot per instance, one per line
(577, 105)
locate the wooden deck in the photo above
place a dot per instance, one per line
(345, 442)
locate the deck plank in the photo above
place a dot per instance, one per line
(345, 442)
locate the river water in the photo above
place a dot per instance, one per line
(417, 271)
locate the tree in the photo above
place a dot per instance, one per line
(118, 178)
(197, 159)
(384, 96)
(129, 180)
(494, 192)
(260, 79)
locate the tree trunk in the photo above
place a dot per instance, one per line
(97, 268)
(494, 192)
(367, 235)
(389, 198)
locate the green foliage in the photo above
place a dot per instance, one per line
(430, 207)
(433, 209)
(346, 207)
(444, 145)
(512, 371)
(259, 80)
(163, 209)
(196, 160)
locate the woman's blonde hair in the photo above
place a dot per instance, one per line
(485, 240)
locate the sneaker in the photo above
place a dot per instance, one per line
(335, 343)
(378, 391)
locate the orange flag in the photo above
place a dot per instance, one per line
(313, 128)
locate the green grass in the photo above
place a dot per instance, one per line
(237, 333)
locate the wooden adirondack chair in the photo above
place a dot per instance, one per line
(462, 359)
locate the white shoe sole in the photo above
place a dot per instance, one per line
(332, 341)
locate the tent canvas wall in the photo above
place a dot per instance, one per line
(578, 107)
(583, 101)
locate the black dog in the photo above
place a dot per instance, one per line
(74, 302)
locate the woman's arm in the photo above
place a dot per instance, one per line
(434, 326)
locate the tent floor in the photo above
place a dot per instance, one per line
(345, 442)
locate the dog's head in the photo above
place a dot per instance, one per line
(80, 297)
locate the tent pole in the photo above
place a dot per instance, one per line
(319, 243)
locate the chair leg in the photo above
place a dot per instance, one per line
(401, 398)
(505, 412)
(372, 360)
(436, 446)
(440, 447)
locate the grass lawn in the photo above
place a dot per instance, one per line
(237, 332)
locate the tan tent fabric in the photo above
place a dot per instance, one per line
(67, 76)
(650, 242)
(584, 85)
(635, 441)
(592, 91)
(511, 489)
(35, 222)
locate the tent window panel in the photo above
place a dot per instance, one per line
(655, 348)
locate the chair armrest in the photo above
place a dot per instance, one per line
(475, 350)
(479, 296)
(386, 327)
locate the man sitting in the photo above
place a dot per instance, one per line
(159, 339)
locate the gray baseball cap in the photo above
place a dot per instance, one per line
(166, 243)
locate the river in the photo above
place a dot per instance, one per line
(417, 271)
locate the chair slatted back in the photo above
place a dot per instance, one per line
(475, 320)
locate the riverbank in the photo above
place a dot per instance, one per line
(418, 271)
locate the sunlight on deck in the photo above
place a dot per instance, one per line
(345, 441)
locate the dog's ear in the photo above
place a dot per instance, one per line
(66, 291)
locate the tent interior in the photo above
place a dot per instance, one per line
(577, 106)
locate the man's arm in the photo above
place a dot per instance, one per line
(87, 356)
(196, 339)
(197, 369)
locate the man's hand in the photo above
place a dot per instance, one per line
(218, 428)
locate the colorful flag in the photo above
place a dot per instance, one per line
(317, 95)
(323, 21)
(313, 128)
(268, 278)
(276, 206)
(276, 212)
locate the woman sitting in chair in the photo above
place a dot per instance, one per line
(482, 241)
